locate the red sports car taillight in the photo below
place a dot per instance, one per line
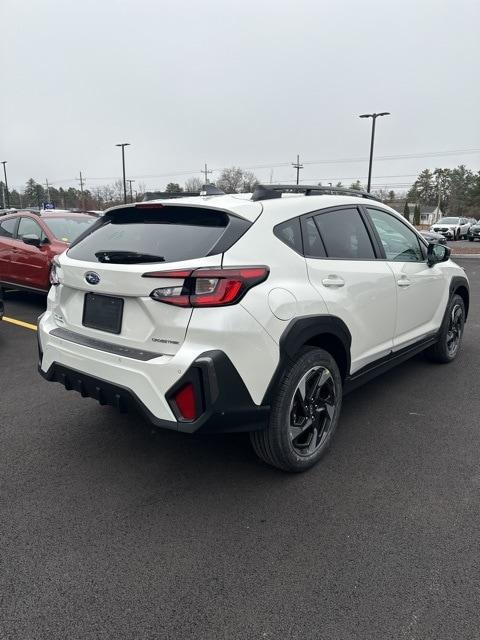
(208, 287)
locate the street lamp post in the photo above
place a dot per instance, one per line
(123, 145)
(4, 162)
(374, 117)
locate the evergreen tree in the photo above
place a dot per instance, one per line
(416, 215)
(406, 211)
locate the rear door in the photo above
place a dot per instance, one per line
(420, 289)
(124, 260)
(356, 286)
(30, 264)
(8, 230)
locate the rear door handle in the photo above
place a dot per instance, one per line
(404, 282)
(333, 281)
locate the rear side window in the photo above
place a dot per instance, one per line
(313, 243)
(289, 233)
(159, 234)
(7, 228)
(344, 235)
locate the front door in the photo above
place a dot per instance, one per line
(30, 264)
(420, 289)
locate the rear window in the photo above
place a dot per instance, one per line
(166, 234)
(68, 229)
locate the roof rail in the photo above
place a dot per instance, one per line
(272, 191)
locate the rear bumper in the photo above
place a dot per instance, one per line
(223, 400)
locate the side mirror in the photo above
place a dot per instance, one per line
(437, 253)
(32, 239)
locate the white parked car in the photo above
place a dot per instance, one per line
(222, 313)
(452, 228)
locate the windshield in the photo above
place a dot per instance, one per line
(68, 229)
(448, 221)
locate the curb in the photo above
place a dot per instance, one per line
(455, 256)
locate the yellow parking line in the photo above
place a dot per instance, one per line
(20, 323)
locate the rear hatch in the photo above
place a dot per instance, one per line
(105, 293)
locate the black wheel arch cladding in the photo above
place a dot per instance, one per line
(325, 331)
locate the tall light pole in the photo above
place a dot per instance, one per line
(4, 162)
(374, 117)
(123, 145)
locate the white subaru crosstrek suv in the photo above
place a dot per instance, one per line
(248, 313)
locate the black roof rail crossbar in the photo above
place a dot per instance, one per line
(271, 191)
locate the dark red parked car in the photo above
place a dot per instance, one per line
(29, 241)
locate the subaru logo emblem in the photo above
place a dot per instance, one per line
(92, 278)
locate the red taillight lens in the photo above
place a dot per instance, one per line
(185, 401)
(208, 287)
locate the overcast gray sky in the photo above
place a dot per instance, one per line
(248, 83)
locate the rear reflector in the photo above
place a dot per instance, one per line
(185, 401)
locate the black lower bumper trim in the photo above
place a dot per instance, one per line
(104, 392)
(225, 403)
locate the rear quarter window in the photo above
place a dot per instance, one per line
(289, 232)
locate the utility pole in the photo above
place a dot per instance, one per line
(82, 181)
(297, 166)
(205, 172)
(131, 194)
(4, 162)
(3, 196)
(47, 186)
(123, 145)
(374, 117)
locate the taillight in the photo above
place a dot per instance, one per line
(53, 276)
(208, 287)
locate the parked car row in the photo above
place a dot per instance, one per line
(453, 227)
(30, 240)
(474, 231)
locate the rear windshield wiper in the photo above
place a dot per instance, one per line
(127, 257)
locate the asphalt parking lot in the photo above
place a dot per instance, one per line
(110, 530)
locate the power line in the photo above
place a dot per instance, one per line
(273, 165)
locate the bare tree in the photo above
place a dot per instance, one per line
(236, 180)
(193, 184)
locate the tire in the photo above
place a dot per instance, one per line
(451, 333)
(304, 413)
(471, 239)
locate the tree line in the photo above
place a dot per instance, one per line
(456, 191)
